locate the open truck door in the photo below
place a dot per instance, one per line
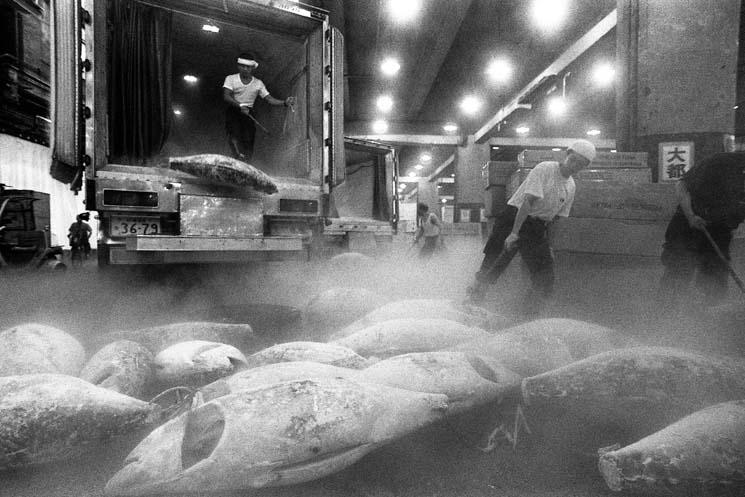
(144, 114)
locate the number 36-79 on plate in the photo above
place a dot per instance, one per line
(124, 226)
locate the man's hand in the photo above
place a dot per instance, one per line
(290, 101)
(245, 110)
(697, 222)
(511, 241)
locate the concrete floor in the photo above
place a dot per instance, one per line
(441, 461)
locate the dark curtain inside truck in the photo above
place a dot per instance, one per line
(381, 209)
(140, 84)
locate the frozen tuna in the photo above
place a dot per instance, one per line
(645, 385)
(468, 315)
(122, 366)
(157, 338)
(270, 374)
(227, 170)
(526, 355)
(467, 380)
(36, 348)
(284, 434)
(50, 417)
(704, 450)
(326, 353)
(196, 363)
(583, 339)
(337, 307)
(401, 336)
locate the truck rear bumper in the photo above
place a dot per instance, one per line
(164, 249)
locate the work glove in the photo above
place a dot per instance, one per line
(510, 241)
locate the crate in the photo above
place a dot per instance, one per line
(614, 200)
(609, 236)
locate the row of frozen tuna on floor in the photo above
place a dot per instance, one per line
(298, 411)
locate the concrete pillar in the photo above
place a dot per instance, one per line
(469, 159)
(678, 72)
(427, 194)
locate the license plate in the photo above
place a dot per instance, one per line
(126, 226)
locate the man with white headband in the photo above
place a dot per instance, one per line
(239, 92)
(546, 194)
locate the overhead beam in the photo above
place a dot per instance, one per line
(499, 141)
(451, 140)
(441, 167)
(570, 55)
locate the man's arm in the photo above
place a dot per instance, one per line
(275, 101)
(227, 96)
(684, 199)
(520, 217)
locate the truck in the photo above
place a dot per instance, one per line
(139, 82)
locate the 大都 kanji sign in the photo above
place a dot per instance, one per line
(675, 159)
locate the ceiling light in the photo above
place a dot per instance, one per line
(404, 10)
(425, 157)
(384, 103)
(390, 66)
(556, 149)
(470, 105)
(380, 126)
(593, 132)
(604, 74)
(499, 70)
(211, 28)
(613, 151)
(419, 167)
(177, 112)
(452, 175)
(522, 130)
(444, 201)
(412, 175)
(549, 14)
(450, 127)
(190, 78)
(557, 106)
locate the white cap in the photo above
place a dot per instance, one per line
(583, 148)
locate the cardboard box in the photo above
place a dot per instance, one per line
(609, 236)
(611, 200)
(603, 160)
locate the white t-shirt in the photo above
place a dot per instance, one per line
(554, 192)
(431, 226)
(245, 94)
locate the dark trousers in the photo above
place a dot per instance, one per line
(688, 253)
(241, 131)
(532, 245)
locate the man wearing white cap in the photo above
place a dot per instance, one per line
(239, 92)
(546, 193)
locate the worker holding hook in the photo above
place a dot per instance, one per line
(239, 93)
(711, 205)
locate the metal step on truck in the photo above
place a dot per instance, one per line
(142, 90)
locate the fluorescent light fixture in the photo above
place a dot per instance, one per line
(593, 132)
(404, 10)
(522, 130)
(390, 66)
(549, 14)
(425, 157)
(470, 105)
(211, 28)
(450, 127)
(557, 106)
(189, 78)
(380, 126)
(499, 70)
(384, 103)
(556, 149)
(613, 151)
(604, 74)
(419, 167)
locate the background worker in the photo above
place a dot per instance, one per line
(711, 197)
(429, 227)
(80, 233)
(547, 193)
(239, 93)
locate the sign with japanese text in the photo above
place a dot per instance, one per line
(675, 159)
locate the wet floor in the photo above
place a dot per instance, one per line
(444, 460)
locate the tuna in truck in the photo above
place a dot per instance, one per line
(140, 125)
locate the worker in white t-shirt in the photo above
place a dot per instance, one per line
(546, 193)
(239, 92)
